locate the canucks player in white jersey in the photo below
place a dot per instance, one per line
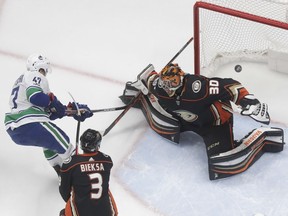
(33, 107)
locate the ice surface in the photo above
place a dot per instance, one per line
(175, 179)
(95, 47)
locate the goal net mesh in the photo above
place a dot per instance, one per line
(238, 30)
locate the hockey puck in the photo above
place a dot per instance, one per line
(238, 68)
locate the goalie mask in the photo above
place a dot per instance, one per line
(90, 140)
(171, 78)
(36, 62)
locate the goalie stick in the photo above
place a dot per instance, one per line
(180, 51)
(132, 103)
(137, 97)
(128, 106)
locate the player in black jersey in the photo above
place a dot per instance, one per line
(84, 180)
(174, 101)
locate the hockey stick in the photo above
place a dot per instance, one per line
(109, 109)
(180, 51)
(127, 107)
(77, 137)
(136, 98)
(72, 112)
(78, 111)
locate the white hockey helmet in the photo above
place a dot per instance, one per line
(35, 62)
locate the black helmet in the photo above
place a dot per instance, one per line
(90, 140)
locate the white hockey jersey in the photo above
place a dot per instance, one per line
(22, 111)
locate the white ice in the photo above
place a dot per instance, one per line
(95, 47)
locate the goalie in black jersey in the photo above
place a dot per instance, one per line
(174, 101)
(84, 180)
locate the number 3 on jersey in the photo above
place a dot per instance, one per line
(96, 187)
(15, 93)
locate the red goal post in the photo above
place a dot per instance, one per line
(233, 30)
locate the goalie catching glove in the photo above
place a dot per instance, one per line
(256, 110)
(83, 111)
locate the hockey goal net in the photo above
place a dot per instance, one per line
(239, 30)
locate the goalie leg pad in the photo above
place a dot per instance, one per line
(274, 141)
(248, 152)
(159, 121)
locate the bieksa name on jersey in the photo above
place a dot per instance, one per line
(90, 167)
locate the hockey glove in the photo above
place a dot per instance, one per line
(139, 84)
(84, 110)
(256, 110)
(56, 108)
(141, 81)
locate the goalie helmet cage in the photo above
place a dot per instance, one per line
(238, 30)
